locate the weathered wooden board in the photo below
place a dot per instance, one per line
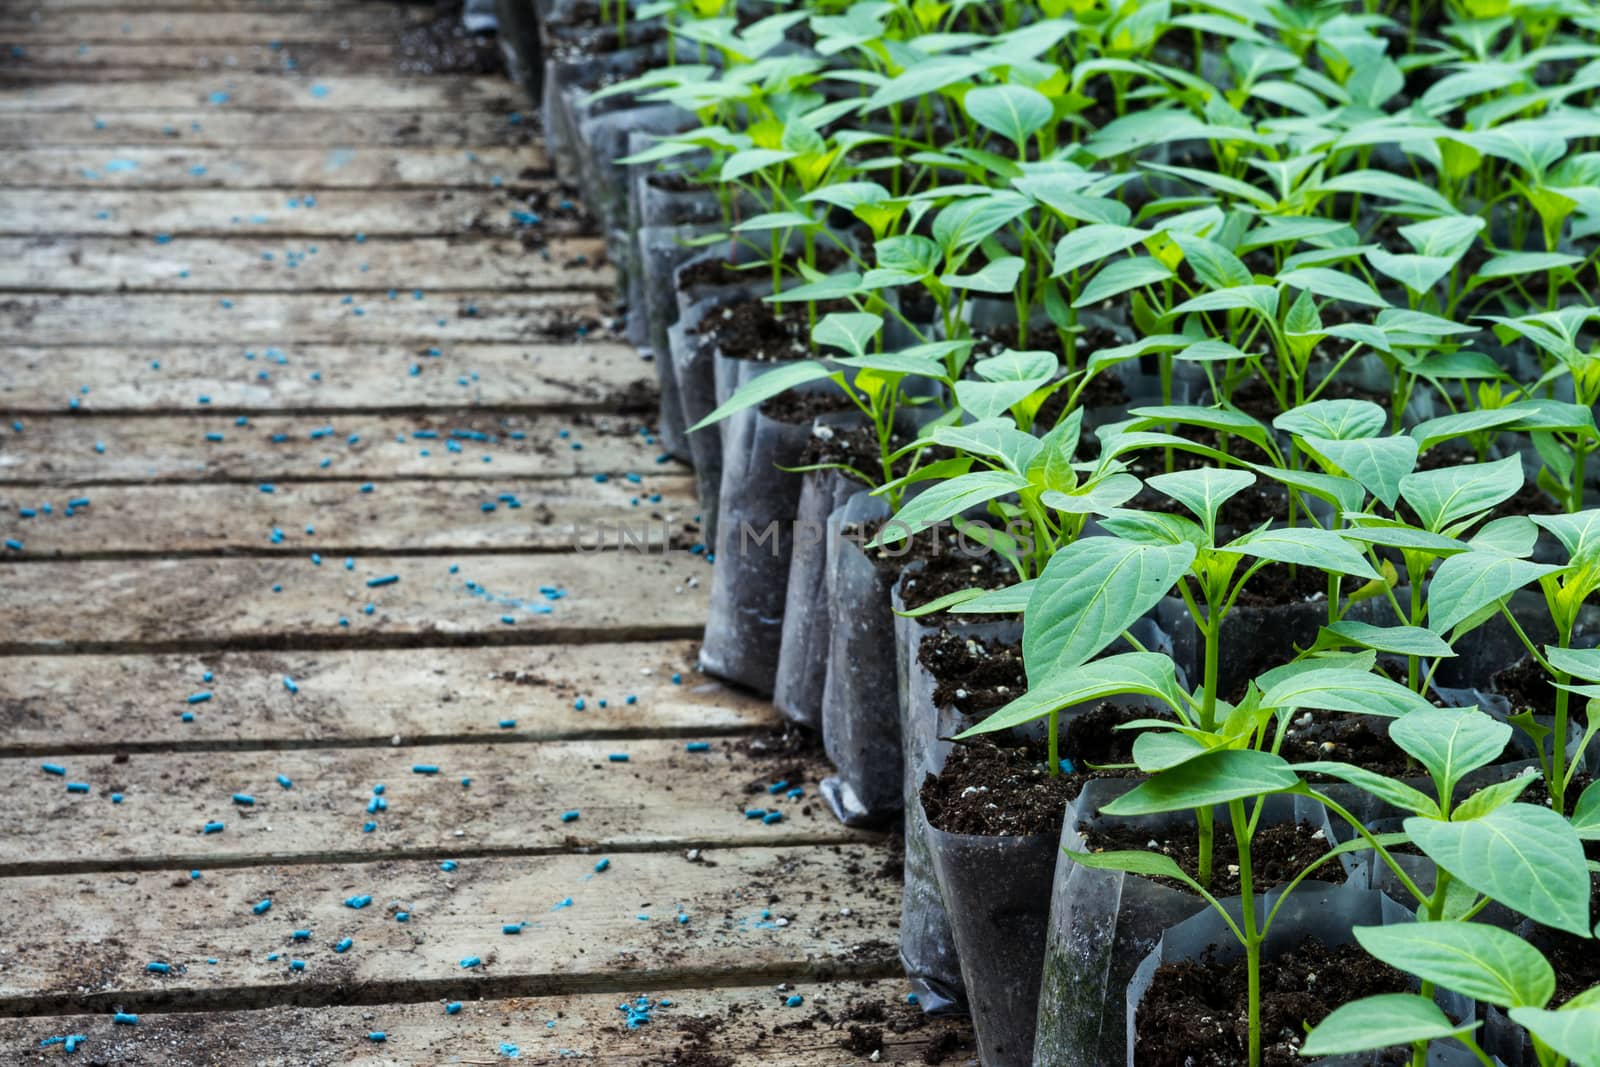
(745, 1027)
(226, 129)
(81, 942)
(190, 604)
(409, 516)
(60, 451)
(332, 167)
(295, 318)
(105, 704)
(225, 212)
(269, 92)
(517, 803)
(384, 21)
(251, 264)
(578, 376)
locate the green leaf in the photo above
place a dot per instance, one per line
(1119, 276)
(1395, 640)
(1468, 582)
(1450, 743)
(1215, 778)
(849, 330)
(1338, 420)
(779, 379)
(1387, 790)
(1446, 495)
(1474, 959)
(1417, 273)
(750, 160)
(1526, 857)
(1344, 689)
(1089, 593)
(1586, 813)
(1378, 463)
(1434, 431)
(1578, 532)
(1093, 243)
(946, 499)
(1213, 265)
(996, 276)
(1146, 864)
(1379, 1022)
(1148, 674)
(1303, 546)
(1574, 1032)
(1015, 112)
(1333, 285)
(1099, 497)
(774, 220)
(1204, 490)
(1008, 601)
(1518, 264)
(1262, 299)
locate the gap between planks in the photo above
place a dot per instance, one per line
(103, 705)
(281, 129)
(82, 941)
(733, 1026)
(223, 91)
(170, 167)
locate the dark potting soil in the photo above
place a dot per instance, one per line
(996, 791)
(1195, 1013)
(1278, 853)
(799, 408)
(855, 448)
(1278, 583)
(1526, 686)
(1347, 739)
(442, 45)
(948, 567)
(973, 675)
(744, 328)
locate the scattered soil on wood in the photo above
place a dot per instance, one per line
(1278, 853)
(995, 791)
(1195, 1012)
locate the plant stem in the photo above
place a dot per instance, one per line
(1252, 936)
(1055, 744)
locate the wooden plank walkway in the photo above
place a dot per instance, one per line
(333, 521)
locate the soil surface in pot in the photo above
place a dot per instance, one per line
(1278, 853)
(799, 408)
(442, 45)
(855, 448)
(743, 328)
(1347, 739)
(995, 791)
(1195, 1012)
(1525, 685)
(949, 567)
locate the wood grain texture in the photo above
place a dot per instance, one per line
(519, 795)
(371, 377)
(553, 515)
(382, 21)
(267, 213)
(297, 318)
(336, 167)
(267, 92)
(738, 1027)
(109, 704)
(249, 264)
(85, 939)
(61, 450)
(216, 604)
(217, 128)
